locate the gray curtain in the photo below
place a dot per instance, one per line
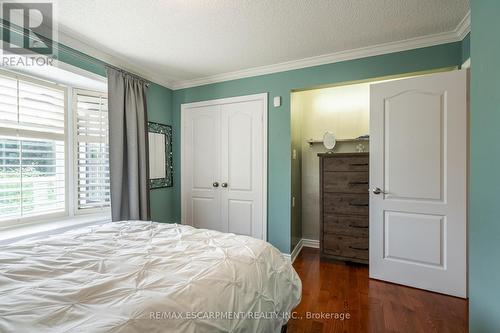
(128, 146)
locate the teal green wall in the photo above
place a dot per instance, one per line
(162, 200)
(159, 100)
(281, 84)
(484, 204)
(466, 48)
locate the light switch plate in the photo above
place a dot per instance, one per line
(277, 101)
(294, 154)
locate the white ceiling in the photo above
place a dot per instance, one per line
(178, 40)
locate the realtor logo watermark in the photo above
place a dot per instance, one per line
(28, 34)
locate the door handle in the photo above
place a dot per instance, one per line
(377, 190)
(224, 184)
(215, 184)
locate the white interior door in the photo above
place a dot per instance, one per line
(223, 168)
(241, 150)
(418, 158)
(201, 174)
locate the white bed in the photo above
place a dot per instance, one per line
(131, 276)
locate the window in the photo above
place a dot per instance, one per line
(91, 146)
(32, 151)
(32, 177)
(40, 152)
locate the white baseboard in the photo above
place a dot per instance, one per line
(314, 243)
(304, 242)
(296, 251)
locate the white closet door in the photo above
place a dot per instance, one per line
(242, 167)
(224, 143)
(418, 159)
(202, 170)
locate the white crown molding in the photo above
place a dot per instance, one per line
(456, 35)
(363, 52)
(112, 59)
(463, 28)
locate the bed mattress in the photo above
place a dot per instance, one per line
(136, 276)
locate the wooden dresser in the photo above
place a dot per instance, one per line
(344, 201)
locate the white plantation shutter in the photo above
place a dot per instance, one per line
(8, 102)
(32, 148)
(92, 162)
(31, 107)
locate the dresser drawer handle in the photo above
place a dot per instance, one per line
(358, 248)
(358, 183)
(358, 226)
(357, 205)
(358, 164)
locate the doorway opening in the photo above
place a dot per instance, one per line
(379, 177)
(342, 111)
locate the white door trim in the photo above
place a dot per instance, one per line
(256, 97)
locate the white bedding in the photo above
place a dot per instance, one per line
(136, 276)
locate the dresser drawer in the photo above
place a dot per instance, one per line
(356, 226)
(346, 182)
(345, 246)
(354, 163)
(346, 204)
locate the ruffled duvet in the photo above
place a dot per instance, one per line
(136, 276)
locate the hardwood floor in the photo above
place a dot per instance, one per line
(373, 306)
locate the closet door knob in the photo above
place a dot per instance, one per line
(378, 191)
(224, 184)
(215, 184)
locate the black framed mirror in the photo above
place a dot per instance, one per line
(160, 155)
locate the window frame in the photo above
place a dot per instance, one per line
(70, 140)
(74, 93)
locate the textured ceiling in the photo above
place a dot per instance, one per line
(187, 39)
